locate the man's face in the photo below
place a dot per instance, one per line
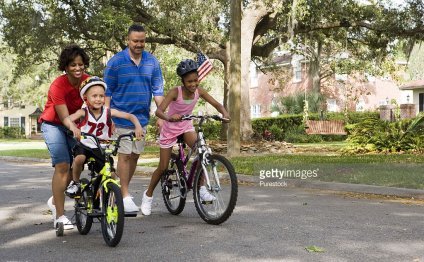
(136, 42)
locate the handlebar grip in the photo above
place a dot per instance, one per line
(69, 133)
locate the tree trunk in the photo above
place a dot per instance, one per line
(235, 77)
(224, 127)
(314, 68)
(252, 15)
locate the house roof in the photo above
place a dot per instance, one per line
(36, 113)
(413, 85)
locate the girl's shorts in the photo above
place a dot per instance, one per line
(170, 142)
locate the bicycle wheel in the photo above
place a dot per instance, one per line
(174, 187)
(224, 189)
(83, 207)
(112, 220)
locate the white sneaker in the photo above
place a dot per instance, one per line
(52, 207)
(129, 205)
(205, 195)
(67, 224)
(73, 189)
(146, 204)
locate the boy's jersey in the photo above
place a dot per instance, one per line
(100, 127)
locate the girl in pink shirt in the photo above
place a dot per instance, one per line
(181, 101)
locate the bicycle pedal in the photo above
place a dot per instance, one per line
(207, 202)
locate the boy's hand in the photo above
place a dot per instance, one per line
(138, 133)
(175, 118)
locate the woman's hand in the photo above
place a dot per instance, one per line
(76, 131)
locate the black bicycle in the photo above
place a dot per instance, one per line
(101, 196)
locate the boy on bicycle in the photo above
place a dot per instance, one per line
(181, 101)
(95, 119)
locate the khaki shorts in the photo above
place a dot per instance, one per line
(126, 146)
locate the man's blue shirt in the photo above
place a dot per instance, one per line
(131, 87)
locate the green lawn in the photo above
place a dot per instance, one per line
(385, 170)
(149, 152)
(400, 170)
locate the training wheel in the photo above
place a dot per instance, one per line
(59, 229)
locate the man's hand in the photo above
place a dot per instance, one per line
(139, 133)
(159, 124)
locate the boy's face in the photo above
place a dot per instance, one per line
(191, 81)
(95, 97)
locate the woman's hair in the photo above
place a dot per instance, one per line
(68, 55)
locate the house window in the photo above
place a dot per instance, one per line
(14, 122)
(6, 121)
(253, 76)
(23, 122)
(332, 105)
(255, 111)
(421, 102)
(297, 72)
(360, 106)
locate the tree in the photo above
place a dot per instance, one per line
(33, 27)
(235, 78)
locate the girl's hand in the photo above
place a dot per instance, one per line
(174, 118)
(226, 117)
(138, 133)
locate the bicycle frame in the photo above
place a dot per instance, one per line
(100, 180)
(201, 149)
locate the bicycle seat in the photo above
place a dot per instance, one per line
(180, 139)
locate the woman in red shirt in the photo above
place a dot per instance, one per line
(63, 99)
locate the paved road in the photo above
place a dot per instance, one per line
(269, 224)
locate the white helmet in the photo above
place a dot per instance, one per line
(89, 82)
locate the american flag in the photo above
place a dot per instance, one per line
(204, 65)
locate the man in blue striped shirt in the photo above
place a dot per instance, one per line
(133, 76)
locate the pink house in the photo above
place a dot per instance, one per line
(289, 76)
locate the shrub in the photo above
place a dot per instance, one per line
(12, 132)
(298, 135)
(375, 135)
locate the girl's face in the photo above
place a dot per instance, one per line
(191, 82)
(95, 97)
(75, 68)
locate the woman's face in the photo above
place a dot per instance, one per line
(75, 68)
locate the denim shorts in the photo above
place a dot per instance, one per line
(58, 143)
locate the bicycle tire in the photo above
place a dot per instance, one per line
(112, 221)
(219, 210)
(174, 187)
(83, 206)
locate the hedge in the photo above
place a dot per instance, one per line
(12, 132)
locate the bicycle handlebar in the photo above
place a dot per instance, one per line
(214, 117)
(117, 141)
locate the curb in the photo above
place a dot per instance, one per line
(338, 187)
(290, 182)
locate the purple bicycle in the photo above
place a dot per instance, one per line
(208, 171)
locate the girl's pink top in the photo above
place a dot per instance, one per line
(170, 130)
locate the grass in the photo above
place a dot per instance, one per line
(33, 153)
(400, 170)
(149, 152)
(384, 170)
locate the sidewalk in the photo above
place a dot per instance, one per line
(299, 183)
